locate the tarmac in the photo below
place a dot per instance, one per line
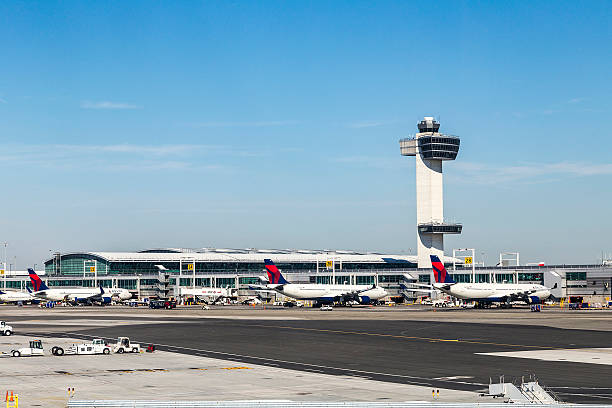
(363, 354)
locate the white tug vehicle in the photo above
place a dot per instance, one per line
(5, 329)
(35, 349)
(97, 346)
(124, 345)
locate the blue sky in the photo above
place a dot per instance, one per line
(127, 125)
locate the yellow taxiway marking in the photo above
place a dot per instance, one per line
(399, 336)
(236, 368)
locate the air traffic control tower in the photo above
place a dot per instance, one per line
(431, 148)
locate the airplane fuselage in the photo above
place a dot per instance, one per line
(12, 296)
(495, 292)
(121, 294)
(329, 293)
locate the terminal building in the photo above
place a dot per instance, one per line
(163, 272)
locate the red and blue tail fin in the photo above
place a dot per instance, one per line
(274, 275)
(439, 271)
(37, 283)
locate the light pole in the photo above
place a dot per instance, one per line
(4, 268)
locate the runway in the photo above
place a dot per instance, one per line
(430, 353)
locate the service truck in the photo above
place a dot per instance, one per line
(124, 345)
(97, 346)
(5, 329)
(35, 349)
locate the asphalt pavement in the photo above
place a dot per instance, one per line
(431, 353)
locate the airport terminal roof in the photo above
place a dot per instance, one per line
(245, 255)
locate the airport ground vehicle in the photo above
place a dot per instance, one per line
(5, 329)
(579, 305)
(97, 346)
(162, 304)
(35, 349)
(124, 345)
(327, 308)
(440, 303)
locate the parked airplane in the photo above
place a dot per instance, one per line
(210, 295)
(107, 295)
(11, 296)
(487, 293)
(41, 290)
(320, 293)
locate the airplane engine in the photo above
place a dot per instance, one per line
(106, 300)
(364, 300)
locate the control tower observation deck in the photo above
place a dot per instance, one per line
(430, 147)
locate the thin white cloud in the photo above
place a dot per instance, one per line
(265, 123)
(2, 100)
(489, 174)
(577, 100)
(108, 105)
(129, 157)
(370, 161)
(160, 150)
(369, 123)
(114, 157)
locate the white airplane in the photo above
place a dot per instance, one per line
(11, 296)
(320, 293)
(487, 293)
(42, 291)
(110, 294)
(212, 295)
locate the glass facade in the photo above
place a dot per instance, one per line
(364, 280)
(85, 265)
(504, 277)
(575, 276)
(462, 277)
(439, 147)
(250, 280)
(226, 282)
(425, 278)
(324, 280)
(127, 284)
(78, 265)
(13, 284)
(87, 283)
(531, 277)
(343, 280)
(482, 278)
(390, 278)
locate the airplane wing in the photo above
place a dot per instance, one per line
(522, 296)
(260, 288)
(351, 295)
(421, 290)
(421, 285)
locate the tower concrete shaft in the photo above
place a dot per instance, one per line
(431, 148)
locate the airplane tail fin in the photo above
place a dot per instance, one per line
(2, 293)
(274, 275)
(439, 271)
(37, 283)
